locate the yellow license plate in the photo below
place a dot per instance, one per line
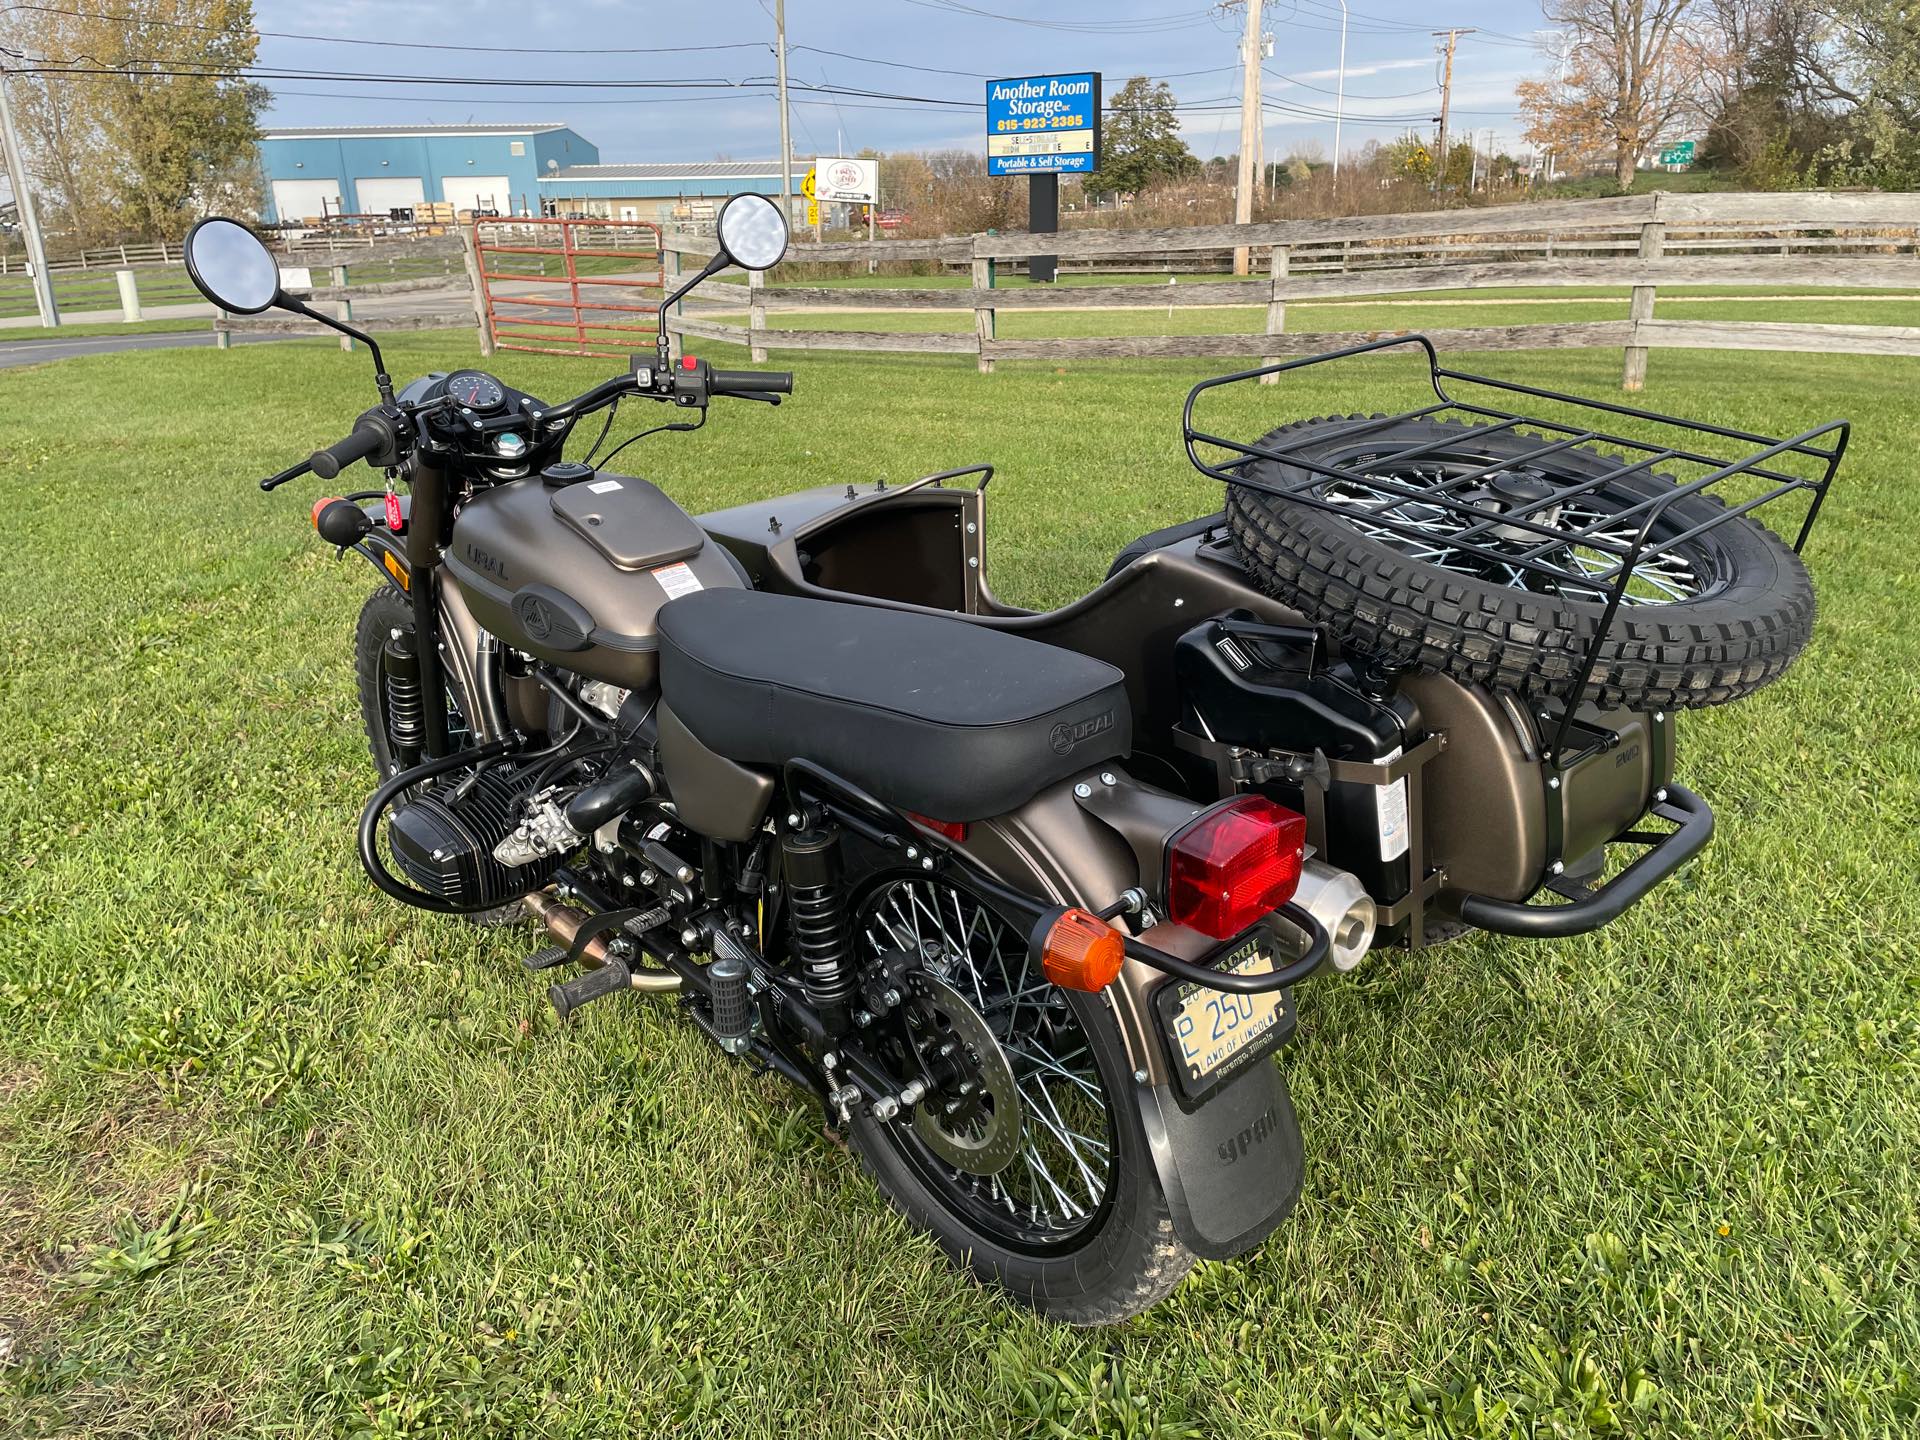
(1209, 1027)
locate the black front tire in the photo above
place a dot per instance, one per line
(385, 611)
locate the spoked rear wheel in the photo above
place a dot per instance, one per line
(1025, 1160)
(1709, 615)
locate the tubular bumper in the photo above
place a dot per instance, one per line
(1665, 854)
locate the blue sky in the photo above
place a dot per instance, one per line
(1392, 67)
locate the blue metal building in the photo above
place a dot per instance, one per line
(663, 193)
(371, 169)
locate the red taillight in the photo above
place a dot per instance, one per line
(954, 830)
(1234, 864)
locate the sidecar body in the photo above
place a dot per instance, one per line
(1443, 797)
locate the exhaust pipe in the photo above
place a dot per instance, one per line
(1340, 903)
(563, 922)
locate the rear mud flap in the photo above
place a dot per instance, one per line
(1232, 1167)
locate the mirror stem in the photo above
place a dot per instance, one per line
(662, 348)
(382, 381)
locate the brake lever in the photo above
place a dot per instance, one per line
(292, 472)
(765, 397)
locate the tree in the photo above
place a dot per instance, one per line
(1627, 71)
(1408, 158)
(139, 118)
(1140, 140)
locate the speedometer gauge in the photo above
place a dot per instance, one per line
(476, 391)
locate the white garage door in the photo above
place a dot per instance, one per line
(381, 193)
(303, 199)
(478, 192)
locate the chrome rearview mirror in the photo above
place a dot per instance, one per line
(229, 265)
(753, 232)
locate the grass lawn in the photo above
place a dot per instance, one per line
(278, 1156)
(1308, 316)
(97, 289)
(168, 325)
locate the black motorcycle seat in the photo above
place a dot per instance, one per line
(937, 716)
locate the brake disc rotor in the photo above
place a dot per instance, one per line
(981, 1135)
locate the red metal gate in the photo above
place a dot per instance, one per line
(618, 262)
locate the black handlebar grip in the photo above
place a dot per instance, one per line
(363, 442)
(746, 382)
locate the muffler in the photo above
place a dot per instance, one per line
(1341, 904)
(563, 922)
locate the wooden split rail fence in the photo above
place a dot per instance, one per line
(1829, 240)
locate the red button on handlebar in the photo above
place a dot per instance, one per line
(687, 362)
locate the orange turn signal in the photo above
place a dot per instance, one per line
(1081, 952)
(321, 504)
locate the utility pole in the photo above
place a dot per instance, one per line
(29, 220)
(1340, 101)
(1446, 103)
(786, 139)
(1249, 120)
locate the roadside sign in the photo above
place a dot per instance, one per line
(1043, 124)
(813, 212)
(807, 185)
(848, 182)
(1678, 154)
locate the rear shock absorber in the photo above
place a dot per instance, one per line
(817, 907)
(400, 679)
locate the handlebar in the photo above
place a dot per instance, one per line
(750, 384)
(292, 472)
(382, 434)
(364, 441)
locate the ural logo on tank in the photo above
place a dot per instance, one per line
(1066, 735)
(495, 568)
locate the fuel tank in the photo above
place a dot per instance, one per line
(573, 567)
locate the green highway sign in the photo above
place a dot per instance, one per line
(1679, 154)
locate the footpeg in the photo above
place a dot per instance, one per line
(570, 995)
(732, 1014)
(546, 959)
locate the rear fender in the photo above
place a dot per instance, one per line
(1231, 1164)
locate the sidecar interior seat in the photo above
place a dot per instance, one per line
(952, 720)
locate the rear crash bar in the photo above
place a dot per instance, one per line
(1665, 854)
(870, 818)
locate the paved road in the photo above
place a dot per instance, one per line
(39, 352)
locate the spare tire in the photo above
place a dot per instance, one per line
(1705, 621)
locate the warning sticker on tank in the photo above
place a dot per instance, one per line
(1390, 806)
(601, 487)
(677, 579)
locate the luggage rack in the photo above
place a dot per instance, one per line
(1488, 535)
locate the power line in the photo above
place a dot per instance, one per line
(385, 44)
(1140, 25)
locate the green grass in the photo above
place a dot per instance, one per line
(280, 1157)
(1307, 316)
(97, 289)
(165, 325)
